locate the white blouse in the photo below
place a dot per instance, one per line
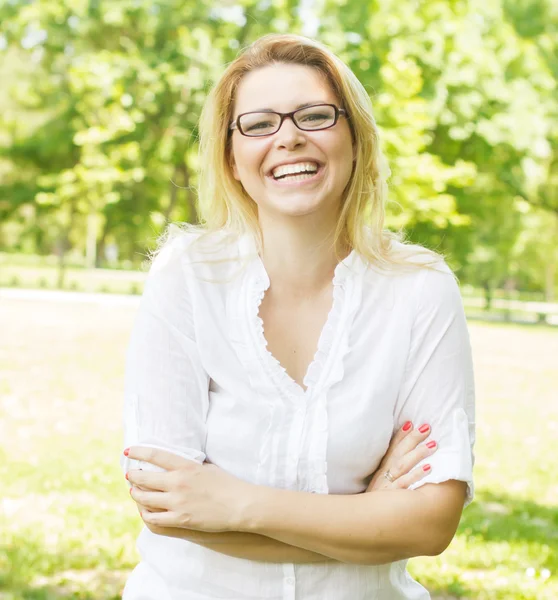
(200, 382)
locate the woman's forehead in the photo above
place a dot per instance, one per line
(283, 88)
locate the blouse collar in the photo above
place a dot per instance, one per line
(351, 265)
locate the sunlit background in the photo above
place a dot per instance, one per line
(99, 103)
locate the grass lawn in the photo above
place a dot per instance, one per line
(68, 527)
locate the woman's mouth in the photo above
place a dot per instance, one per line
(298, 179)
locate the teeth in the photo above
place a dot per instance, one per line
(299, 177)
(296, 168)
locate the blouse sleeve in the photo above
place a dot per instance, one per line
(438, 385)
(165, 386)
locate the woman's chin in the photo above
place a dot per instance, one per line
(295, 207)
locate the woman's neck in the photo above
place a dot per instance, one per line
(299, 257)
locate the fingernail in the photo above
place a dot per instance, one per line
(426, 468)
(126, 452)
(431, 444)
(130, 491)
(127, 473)
(424, 428)
(407, 426)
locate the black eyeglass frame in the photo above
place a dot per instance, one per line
(236, 123)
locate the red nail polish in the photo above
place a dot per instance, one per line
(130, 491)
(407, 426)
(126, 452)
(431, 444)
(126, 475)
(424, 428)
(426, 468)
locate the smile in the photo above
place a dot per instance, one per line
(297, 180)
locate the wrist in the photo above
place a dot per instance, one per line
(251, 512)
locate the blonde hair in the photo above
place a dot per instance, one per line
(225, 205)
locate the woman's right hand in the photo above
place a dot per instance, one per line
(405, 451)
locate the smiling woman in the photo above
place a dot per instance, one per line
(299, 387)
(313, 136)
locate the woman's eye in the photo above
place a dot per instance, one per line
(315, 117)
(259, 125)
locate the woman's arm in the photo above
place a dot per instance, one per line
(166, 395)
(251, 546)
(374, 528)
(404, 453)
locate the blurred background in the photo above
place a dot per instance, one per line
(99, 104)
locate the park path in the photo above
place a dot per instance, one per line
(133, 301)
(67, 296)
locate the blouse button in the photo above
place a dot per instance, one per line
(290, 581)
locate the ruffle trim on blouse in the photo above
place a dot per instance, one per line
(241, 307)
(274, 369)
(327, 366)
(269, 378)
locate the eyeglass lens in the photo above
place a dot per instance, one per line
(313, 117)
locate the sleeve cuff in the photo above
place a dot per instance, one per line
(127, 464)
(454, 459)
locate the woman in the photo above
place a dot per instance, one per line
(280, 349)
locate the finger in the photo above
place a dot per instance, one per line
(401, 465)
(151, 480)
(162, 519)
(156, 456)
(411, 441)
(402, 432)
(413, 476)
(142, 508)
(398, 436)
(151, 500)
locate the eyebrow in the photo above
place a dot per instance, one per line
(303, 105)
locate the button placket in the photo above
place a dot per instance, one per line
(294, 449)
(289, 581)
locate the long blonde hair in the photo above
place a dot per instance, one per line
(225, 205)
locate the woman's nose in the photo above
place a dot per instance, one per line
(289, 135)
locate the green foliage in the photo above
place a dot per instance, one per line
(104, 98)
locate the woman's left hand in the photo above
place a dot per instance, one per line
(187, 495)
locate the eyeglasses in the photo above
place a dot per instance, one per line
(268, 122)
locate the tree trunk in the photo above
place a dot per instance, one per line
(99, 255)
(64, 246)
(487, 295)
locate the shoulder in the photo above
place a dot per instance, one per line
(416, 279)
(435, 291)
(183, 245)
(418, 261)
(171, 246)
(190, 254)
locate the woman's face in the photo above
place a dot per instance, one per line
(283, 88)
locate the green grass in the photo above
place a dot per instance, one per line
(68, 527)
(109, 281)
